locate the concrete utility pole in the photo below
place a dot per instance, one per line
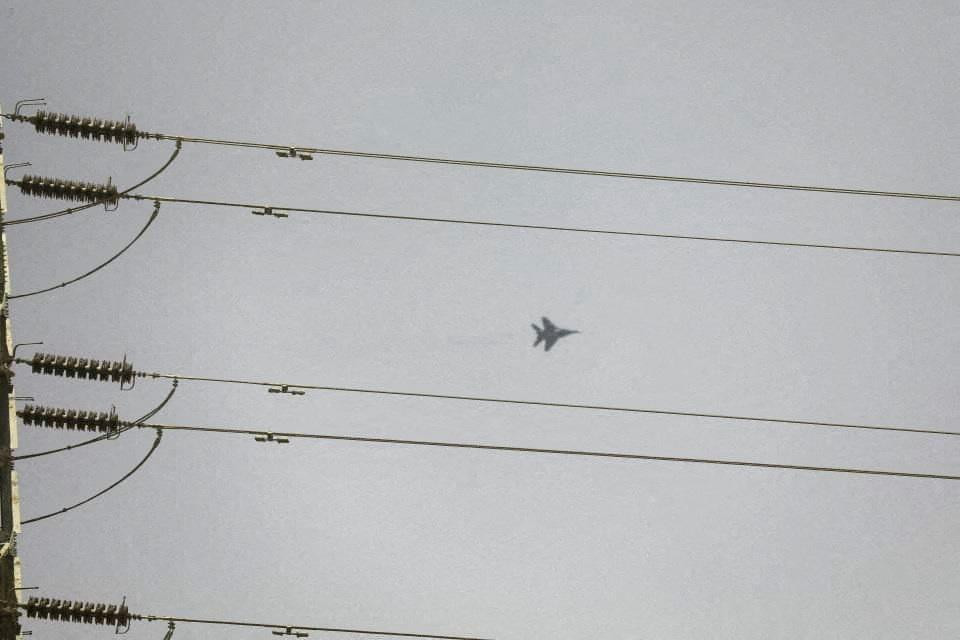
(9, 498)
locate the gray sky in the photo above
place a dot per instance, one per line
(474, 543)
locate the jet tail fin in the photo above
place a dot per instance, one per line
(539, 334)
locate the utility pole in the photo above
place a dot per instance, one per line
(9, 498)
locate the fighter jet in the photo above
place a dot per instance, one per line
(549, 334)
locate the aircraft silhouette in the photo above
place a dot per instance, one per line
(549, 334)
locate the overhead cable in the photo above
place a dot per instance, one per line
(128, 134)
(549, 169)
(275, 211)
(123, 372)
(156, 443)
(564, 452)
(292, 629)
(126, 427)
(560, 405)
(121, 618)
(72, 189)
(105, 436)
(153, 216)
(105, 200)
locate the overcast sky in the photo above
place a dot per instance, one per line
(509, 546)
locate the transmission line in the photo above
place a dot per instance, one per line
(548, 169)
(110, 434)
(153, 216)
(71, 189)
(72, 419)
(95, 202)
(560, 405)
(292, 630)
(153, 448)
(275, 435)
(126, 427)
(120, 617)
(127, 134)
(124, 373)
(274, 211)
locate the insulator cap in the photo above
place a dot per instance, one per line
(74, 419)
(41, 187)
(69, 611)
(85, 127)
(83, 368)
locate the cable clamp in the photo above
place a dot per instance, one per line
(269, 437)
(285, 388)
(268, 211)
(14, 166)
(292, 152)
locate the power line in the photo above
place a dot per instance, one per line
(120, 617)
(153, 448)
(128, 134)
(549, 169)
(136, 423)
(293, 628)
(124, 373)
(561, 405)
(153, 216)
(110, 435)
(268, 210)
(565, 452)
(49, 187)
(72, 210)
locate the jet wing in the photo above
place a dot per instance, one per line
(547, 325)
(550, 340)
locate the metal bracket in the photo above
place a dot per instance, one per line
(10, 548)
(6, 367)
(14, 166)
(116, 629)
(29, 102)
(114, 433)
(133, 378)
(21, 344)
(106, 204)
(136, 143)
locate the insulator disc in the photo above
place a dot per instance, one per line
(41, 187)
(85, 127)
(77, 611)
(57, 418)
(84, 368)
